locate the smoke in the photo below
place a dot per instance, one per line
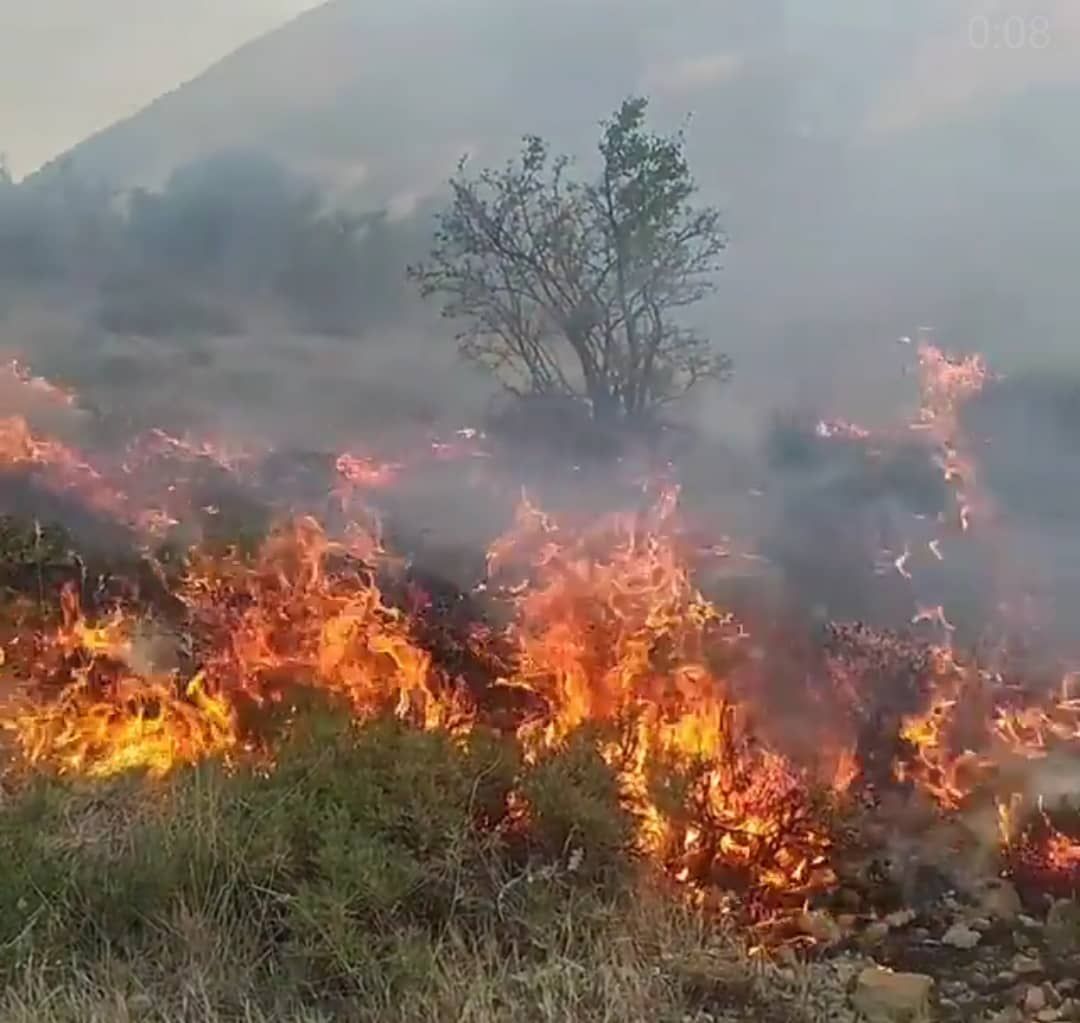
(232, 258)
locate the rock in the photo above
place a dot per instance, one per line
(1069, 1009)
(1024, 965)
(1006, 978)
(1034, 1000)
(884, 997)
(1048, 1016)
(961, 936)
(981, 924)
(1028, 921)
(1011, 1014)
(1063, 926)
(1066, 986)
(998, 900)
(901, 918)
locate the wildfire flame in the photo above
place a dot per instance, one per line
(610, 629)
(603, 627)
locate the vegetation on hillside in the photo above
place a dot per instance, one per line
(376, 873)
(225, 232)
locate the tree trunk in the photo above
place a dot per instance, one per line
(605, 406)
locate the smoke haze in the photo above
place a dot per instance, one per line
(886, 170)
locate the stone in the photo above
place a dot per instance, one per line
(1048, 1016)
(1034, 999)
(1010, 1014)
(981, 924)
(885, 997)
(1063, 926)
(998, 900)
(901, 918)
(1024, 965)
(1028, 921)
(978, 981)
(961, 936)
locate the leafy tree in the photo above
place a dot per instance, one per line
(571, 287)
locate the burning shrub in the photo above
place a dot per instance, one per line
(631, 698)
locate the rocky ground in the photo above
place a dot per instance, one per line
(987, 957)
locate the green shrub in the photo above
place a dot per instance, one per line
(576, 815)
(347, 870)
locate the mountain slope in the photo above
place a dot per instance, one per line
(842, 230)
(389, 94)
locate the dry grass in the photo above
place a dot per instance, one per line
(366, 878)
(649, 959)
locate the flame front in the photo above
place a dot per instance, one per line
(604, 629)
(610, 630)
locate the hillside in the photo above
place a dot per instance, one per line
(389, 95)
(858, 206)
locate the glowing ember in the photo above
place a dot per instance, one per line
(362, 471)
(945, 384)
(39, 385)
(831, 428)
(59, 467)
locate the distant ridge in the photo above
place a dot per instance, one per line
(964, 216)
(386, 97)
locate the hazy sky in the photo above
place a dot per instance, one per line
(71, 67)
